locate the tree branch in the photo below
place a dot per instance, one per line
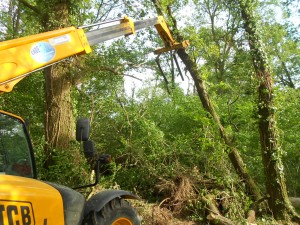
(33, 8)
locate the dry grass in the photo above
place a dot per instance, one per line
(177, 193)
(156, 215)
(171, 210)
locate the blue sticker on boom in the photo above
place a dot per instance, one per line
(42, 52)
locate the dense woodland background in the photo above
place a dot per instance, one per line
(222, 145)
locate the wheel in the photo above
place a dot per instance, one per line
(117, 212)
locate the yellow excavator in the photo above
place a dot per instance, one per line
(25, 200)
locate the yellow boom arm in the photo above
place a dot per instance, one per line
(22, 56)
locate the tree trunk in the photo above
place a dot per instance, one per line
(59, 121)
(271, 153)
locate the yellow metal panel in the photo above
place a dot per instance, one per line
(182, 45)
(13, 115)
(164, 32)
(24, 55)
(126, 20)
(29, 201)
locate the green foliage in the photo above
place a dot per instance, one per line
(287, 113)
(283, 49)
(16, 21)
(148, 150)
(69, 167)
(26, 100)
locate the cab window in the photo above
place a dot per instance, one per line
(15, 157)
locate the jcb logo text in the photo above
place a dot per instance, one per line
(16, 213)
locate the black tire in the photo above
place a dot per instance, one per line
(117, 212)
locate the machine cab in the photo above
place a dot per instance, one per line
(16, 153)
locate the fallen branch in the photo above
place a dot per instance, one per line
(215, 216)
(219, 219)
(251, 216)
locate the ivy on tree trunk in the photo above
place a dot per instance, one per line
(271, 152)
